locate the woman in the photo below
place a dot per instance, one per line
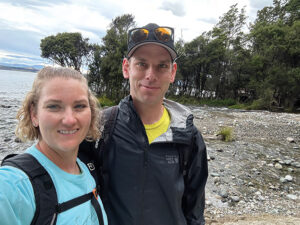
(60, 112)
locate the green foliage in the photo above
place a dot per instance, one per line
(186, 100)
(226, 133)
(66, 49)
(218, 102)
(104, 101)
(107, 61)
(220, 67)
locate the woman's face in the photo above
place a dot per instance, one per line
(62, 114)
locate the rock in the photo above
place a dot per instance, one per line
(235, 198)
(214, 174)
(296, 147)
(219, 150)
(292, 197)
(278, 166)
(7, 139)
(296, 164)
(290, 140)
(283, 180)
(217, 180)
(291, 170)
(257, 193)
(250, 184)
(208, 203)
(18, 140)
(6, 106)
(288, 178)
(223, 194)
(288, 162)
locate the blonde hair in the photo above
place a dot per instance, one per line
(25, 129)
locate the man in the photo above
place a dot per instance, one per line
(148, 180)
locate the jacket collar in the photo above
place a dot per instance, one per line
(180, 129)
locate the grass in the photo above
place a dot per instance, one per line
(226, 133)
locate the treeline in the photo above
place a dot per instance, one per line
(254, 63)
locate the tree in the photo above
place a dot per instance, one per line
(66, 49)
(229, 40)
(108, 59)
(275, 42)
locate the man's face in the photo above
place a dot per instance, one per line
(150, 71)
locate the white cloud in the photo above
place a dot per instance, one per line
(190, 18)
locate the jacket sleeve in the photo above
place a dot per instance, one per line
(195, 180)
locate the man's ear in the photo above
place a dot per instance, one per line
(125, 68)
(174, 69)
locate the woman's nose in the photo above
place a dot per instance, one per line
(69, 117)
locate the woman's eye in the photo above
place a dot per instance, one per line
(80, 106)
(53, 107)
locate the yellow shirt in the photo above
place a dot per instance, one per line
(158, 128)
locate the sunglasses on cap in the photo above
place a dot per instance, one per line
(162, 34)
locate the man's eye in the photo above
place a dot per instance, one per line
(163, 66)
(141, 64)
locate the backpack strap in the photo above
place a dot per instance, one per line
(93, 196)
(47, 206)
(43, 187)
(91, 153)
(109, 118)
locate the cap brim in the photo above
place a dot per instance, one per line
(170, 50)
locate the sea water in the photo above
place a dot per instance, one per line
(13, 88)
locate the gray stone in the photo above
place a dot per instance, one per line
(288, 178)
(223, 194)
(235, 198)
(215, 174)
(18, 140)
(290, 140)
(292, 197)
(278, 166)
(283, 180)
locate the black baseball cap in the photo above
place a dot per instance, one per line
(151, 34)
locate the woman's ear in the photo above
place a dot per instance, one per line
(33, 116)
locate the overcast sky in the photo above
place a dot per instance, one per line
(23, 23)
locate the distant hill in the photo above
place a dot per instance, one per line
(20, 67)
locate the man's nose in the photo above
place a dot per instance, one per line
(151, 73)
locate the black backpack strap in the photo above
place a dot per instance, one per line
(87, 154)
(47, 206)
(91, 153)
(93, 196)
(109, 118)
(43, 187)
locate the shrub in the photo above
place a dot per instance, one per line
(104, 101)
(226, 133)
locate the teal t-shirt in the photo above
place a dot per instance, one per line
(17, 203)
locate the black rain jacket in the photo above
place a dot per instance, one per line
(145, 184)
